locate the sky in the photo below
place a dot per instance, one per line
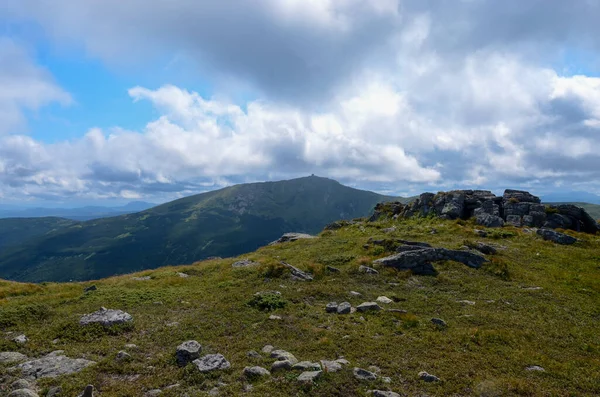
(115, 101)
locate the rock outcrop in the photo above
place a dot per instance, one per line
(419, 261)
(514, 207)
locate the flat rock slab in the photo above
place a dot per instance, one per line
(307, 366)
(288, 237)
(53, 365)
(282, 355)
(368, 306)
(211, 362)
(331, 366)
(411, 260)
(363, 374)
(557, 237)
(256, 372)
(106, 317)
(424, 376)
(309, 376)
(12, 357)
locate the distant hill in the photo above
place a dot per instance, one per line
(225, 222)
(18, 230)
(78, 214)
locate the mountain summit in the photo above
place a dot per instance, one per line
(224, 222)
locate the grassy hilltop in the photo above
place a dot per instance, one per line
(535, 303)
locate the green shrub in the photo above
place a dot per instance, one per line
(551, 210)
(273, 270)
(336, 259)
(13, 316)
(513, 200)
(267, 301)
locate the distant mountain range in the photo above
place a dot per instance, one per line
(224, 223)
(78, 214)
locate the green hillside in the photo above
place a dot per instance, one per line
(221, 223)
(18, 230)
(533, 304)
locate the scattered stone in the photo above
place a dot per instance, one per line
(331, 307)
(245, 263)
(172, 324)
(299, 274)
(439, 322)
(281, 365)
(106, 317)
(255, 372)
(342, 361)
(187, 352)
(332, 269)
(531, 288)
(344, 308)
(253, 354)
(23, 393)
(557, 237)
(485, 248)
(54, 391)
(480, 233)
(379, 393)
(389, 230)
(309, 376)
(354, 293)
(399, 311)
(367, 270)
(368, 306)
(11, 357)
(424, 376)
(52, 365)
(88, 391)
(183, 275)
(267, 349)
(384, 299)
(307, 366)
(290, 237)
(20, 384)
(21, 339)
(144, 278)
(466, 302)
(386, 379)
(153, 393)
(123, 356)
(274, 317)
(331, 366)
(282, 355)
(363, 374)
(131, 346)
(90, 288)
(211, 362)
(535, 368)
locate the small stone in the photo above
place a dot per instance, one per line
(281, 365)
(253, 354)
(215, 391)
(255, 372)
(374, 368)
(90, 288)
(282, 355)
(56, 341)
(332, 269)
(342, 361)
(399, 311)
(20, 384)
(172, 324)
(344, 308)
(183, 275)
(331, 307)
(153, 393)
(187, 352)
(211, 362)
(131, 346)
(274, 317)
(379, 393)
(144, 278)
(309, 376)
(367, 270)
(23, 393)
(331, 366)
(368, 306)
(354, 293)
(21, 339)
(267, 349)
(54, 391)
(424, 376)
(389, 230)
(11, 357)
(466, 303)
(535, 368)
(245, 263)
(123, 356)
(386, 379)
(384, 299)
(439, 322)
(480, 233)
(363, 374)
(307, 366)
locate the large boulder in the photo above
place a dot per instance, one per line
(53, 365)
(557, 237)
(211, 362)
(519, 196)
(187, 352)
(106, 317)
(581, 220)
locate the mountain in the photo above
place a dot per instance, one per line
(222, 223)
(523, 324)
(570, 197)
(17, 230)
(78, 214)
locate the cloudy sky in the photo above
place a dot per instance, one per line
(125, 100)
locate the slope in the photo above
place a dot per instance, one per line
(533, 304)
(225, 222)
(17, 230)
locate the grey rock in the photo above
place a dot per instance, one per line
(344, 308)
(255, 372)
(282, 355)
(20, 384)
(274, 317)
(380, 393)
(384, 299)
(211, 362)
(153, 393)
(245, 263)
(363, 374)
(332, 269)
(123, 356)
(342, 361)
(11, 357)
(144, 278)
(389, 230)
(187, 352)
(131, 346)
(514, 220)
(466, 303)
(439, 322)
(52, 365)
(215, 390)
(20, 339)
(309, 376)
(367, 270)
(90, 288)
(557, 237)
(267, 349)
(307, 366)
(485, 248)
(386, 379)
(54, 391)
(106, 317)
(331, 307)
(420, 260)
(253, 354)
(289, 237)
(424, 376)
(488, 220)
(299, 274)
(535, 368)
(520, 196)
(331, 366)
(480, 233)
(354, 293)
(23, 393)
(183, 275)
(281, 365)
(368, 306)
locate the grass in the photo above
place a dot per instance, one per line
(484, 350)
